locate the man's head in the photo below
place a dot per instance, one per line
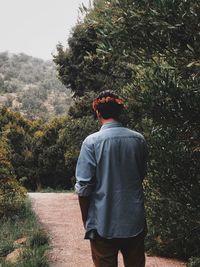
(108, 105)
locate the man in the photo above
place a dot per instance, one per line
(109, 175)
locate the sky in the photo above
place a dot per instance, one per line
(35, 27)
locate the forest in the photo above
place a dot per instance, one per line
(149, 53)
(30, 86)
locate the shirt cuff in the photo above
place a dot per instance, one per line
(84, 190)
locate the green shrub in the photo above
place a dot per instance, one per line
(35, 257)
(38, 238)
(12, 197)
(6, 247)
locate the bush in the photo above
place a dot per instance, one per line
(5, 248)
(12, 197)
(34, 258)
(164, 107)
(38, 238)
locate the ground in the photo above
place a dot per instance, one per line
(59, 214)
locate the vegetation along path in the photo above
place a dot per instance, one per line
(59, 214)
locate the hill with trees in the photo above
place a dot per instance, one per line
(30, 85)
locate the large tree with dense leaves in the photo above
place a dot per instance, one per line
(116, 35)
(150, 52)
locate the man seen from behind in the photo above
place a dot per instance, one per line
(109, 175)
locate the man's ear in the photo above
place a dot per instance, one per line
(98, 114)
(99, 117)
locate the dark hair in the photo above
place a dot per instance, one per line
(110, 109)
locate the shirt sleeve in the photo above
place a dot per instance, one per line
(85, 171)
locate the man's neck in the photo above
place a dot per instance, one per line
(104, 121)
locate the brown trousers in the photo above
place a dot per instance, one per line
(105, 251)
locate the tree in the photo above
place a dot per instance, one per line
(149, 51)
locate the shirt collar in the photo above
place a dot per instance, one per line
(110, 125)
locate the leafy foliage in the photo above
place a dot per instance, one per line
(12, 195)
(39, 154)
(149, 51)
(117, 34)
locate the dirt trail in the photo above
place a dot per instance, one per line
(59, 214)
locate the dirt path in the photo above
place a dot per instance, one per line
(59, 214)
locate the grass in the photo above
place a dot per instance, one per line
(16, 226)
(55, 190)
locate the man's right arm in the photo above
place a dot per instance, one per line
(84, 203)
(85, 178)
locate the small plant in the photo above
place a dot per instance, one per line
(35, 257)
(38, 238)
(5, 248)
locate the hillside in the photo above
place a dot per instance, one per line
(30, 86)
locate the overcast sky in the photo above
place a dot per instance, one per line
(35, 27)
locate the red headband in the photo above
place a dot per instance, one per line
(107, 99)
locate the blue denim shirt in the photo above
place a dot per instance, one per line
(110, 169)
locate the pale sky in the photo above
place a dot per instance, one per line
(35, 27)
